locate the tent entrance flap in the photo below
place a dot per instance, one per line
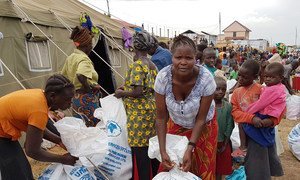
(106, 78)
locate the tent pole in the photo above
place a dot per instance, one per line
(101, 58)
(38, 28)
(12, 74)
(55, 43)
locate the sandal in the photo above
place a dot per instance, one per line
(238, 153)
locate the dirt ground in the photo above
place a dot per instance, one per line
(290, 164)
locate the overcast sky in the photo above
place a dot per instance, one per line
(274, 20)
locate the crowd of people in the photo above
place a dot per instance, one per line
(181, 91)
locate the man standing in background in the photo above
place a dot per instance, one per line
(160, 57)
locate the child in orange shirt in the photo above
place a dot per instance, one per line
(260, 162)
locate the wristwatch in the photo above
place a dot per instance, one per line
(193, 145)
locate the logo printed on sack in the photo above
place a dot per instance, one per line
(113, 129)
(82, 173)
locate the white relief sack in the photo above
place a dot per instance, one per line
(117, 164)
(175, 146)
(81, 141)
(294, 141)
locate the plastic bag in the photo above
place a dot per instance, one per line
(294, 141)
(293, 107)
(54, 171)
(117, 163)
(235, 137)
(238, 174)
(175, 147)
(279, 146)
(80, 140)
(176, 174)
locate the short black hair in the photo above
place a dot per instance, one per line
(220, 80)
(232, 54)
(183, 40)
(277, 67)
(209, 49)
(252, 66)
(201, 47)
(218, 61)
(163, 45)
(57, 83)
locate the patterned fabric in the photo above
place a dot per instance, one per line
(184, 112)
(204, 156)
(85, 105)
(140, 111)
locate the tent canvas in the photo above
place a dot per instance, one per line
(33, 62)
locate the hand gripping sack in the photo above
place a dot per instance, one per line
(294, 141)
(117, 163)
(80, 140)
(175, 147)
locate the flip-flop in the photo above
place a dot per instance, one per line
(239, 153)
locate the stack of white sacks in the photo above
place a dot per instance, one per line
(105, 146)
(80, 141)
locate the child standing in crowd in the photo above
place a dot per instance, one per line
(225, 61)
(209, 56)
(261, 161)
(225, 123)
(234, 72)
(219, 72)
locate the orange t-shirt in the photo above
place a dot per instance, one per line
(20, 108)
(241, 98)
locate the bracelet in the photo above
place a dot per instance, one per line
(192, 144)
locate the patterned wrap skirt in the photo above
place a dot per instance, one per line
(85, 105)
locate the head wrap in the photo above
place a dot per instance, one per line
(81, 36)
(154, 42)
(142, 41)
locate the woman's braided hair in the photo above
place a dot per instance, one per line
(57, 83)
(182, 40)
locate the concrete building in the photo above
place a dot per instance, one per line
(196, 37)
(236, 31)
(211, 38)
(259, 44)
